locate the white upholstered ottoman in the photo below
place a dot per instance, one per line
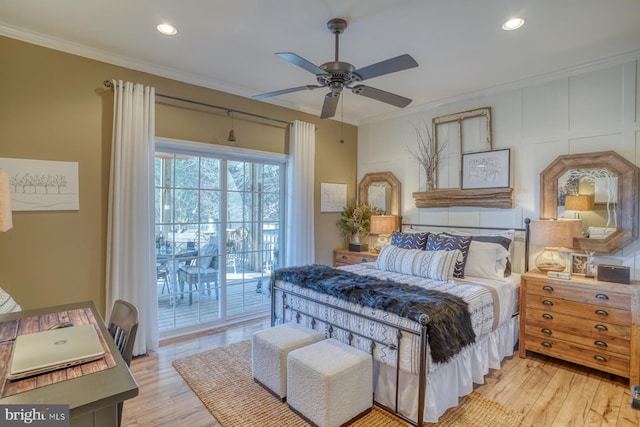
(329, 383)
(269, 351)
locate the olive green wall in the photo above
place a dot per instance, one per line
(53, 106)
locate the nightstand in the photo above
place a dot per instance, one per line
(582, 320)
(346, 257)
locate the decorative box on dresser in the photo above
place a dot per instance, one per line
(582, 320)
(346, 257)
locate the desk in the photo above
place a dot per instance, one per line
(92, 398)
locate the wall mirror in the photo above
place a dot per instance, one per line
(600, 188)
(381, 190)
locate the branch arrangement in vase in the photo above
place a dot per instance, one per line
(427, 154)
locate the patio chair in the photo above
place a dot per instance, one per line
(123, 326)
(162, 274)
(203, 269)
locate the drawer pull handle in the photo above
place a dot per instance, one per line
(602, 296)
(364, 260)
(547, 302)
(600, 358)
(547, 288)
(546, 331)
(344, 257)
(547, 316)
(601, 327)
(600, 343)
(546, 344)
(602, 313)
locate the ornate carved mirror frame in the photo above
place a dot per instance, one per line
(627, 209)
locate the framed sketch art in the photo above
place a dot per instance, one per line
(333, 197)
(42, 185)
(486, 169)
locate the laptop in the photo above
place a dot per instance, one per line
(54, 349)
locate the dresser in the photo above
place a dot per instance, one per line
(581, 320)
(346, 257)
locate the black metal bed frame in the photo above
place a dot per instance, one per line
(400, 330)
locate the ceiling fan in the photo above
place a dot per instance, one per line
(337, 75)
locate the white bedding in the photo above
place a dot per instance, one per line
(493, 305)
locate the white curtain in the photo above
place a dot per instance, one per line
(131, 271)
(300, 184)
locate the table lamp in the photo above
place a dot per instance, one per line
(5, 202)
(383, 226)
(555, 236)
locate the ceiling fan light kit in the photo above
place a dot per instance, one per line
(336, 75)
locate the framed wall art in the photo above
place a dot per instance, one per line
(42, 185)
(333, 197)
(486, 169)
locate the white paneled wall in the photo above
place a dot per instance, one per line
(591, 111)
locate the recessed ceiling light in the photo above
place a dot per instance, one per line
(167, 29)
(513, 24)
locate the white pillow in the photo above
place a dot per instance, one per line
(487, 260)
(489, 237)
(436, 265)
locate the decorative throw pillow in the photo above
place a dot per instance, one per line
(436, 265)
(409, 240)
(486, 260)
(440, 242)
(503, 238)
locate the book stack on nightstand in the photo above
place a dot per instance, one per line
(346, 257)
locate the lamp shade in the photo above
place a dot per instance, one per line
(6, 222)
(555, 233)
(581, 202)
(383, 224)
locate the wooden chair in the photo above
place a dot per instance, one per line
(203, 269)
(123, 326)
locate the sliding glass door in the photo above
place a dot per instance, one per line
(219, 226)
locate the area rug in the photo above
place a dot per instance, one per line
(221, 378)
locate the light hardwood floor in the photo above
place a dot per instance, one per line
(548, 391)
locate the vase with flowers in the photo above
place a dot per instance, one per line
(355, 221)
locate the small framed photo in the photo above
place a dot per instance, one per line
(486, 169)
(578, 264)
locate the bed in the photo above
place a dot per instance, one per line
(460, 320)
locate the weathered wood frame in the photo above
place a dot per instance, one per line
(628, 197)
(486, 198)
(460, 117)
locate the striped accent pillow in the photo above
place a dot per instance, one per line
(409, 240)
(436, 265)
(439, 242)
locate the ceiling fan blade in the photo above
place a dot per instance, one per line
(392, 65)
(381, 95)
(330, 105)
(301, 62)
(284, 91)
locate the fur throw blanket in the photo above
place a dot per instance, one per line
(450, 327)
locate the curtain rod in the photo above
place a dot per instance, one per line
(109, 84)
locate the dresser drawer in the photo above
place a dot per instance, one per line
(598, 313)
(592, 295)
(593, 341)
(575, 325)
(343, 257)
(598, 359)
